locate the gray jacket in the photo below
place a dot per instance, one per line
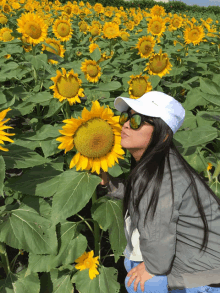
(170, 243)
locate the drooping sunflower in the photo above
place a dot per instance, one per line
(67, 86)
(4, 135)
(156, 26)
(32, 27)
(91, 70)
(87, 261)
(111, 30)
(96, 137)
(139, 85)
(145, 46)
(5, 34)
(194, 34)
(159, 64)
(62, 29)
(58, 49)
(158, 10)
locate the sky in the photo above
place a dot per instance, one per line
(204, 3)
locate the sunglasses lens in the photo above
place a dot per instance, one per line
(123, 118)
(135, 121)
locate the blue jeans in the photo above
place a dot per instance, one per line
(158, 284)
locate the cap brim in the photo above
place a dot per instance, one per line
(122, 104)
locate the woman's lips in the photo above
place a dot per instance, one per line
(123, 135)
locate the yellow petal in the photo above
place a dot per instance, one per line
(74, 160)
(104, 164)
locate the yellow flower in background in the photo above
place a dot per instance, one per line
(15, 5)
(67, 86)
(7, 56)
(111, 30)
(159, 64)
(176, 22)
(209, 166)
(3, 135)
(139, 85)
(97, 23)
(92, 47)
(96, 137)
(5, 34)
(98, 8)
(125, 36)
(32, 27)
(87, 261)
(58, 49)
(130, 25)
(145, 46)
(83, 26)
(158, 10)
(75, 9)
(62, 29)
(3, 19)
(6, 8)
(94, 30)
(194, 35)
(91, 70)
(156, 26)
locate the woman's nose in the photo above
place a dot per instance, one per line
(127, 124)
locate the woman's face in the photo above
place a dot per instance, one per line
(136, 141)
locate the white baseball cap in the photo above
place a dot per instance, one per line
(155, 104)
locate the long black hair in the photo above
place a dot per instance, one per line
(151, 165)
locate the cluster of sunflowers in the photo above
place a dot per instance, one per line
(53, 24)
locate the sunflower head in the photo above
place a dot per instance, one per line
(5, 35)
(145, 46)
(156, 26)
(3, 19)
(91, 70)
(57, 49)
(111, 30)
(96, 137)
(138, 86)
(62, 29)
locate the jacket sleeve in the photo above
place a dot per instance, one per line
(158, 237)
(115, 187)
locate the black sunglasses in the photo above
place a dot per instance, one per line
(136, 119)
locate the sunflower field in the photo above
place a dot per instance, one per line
(61, 67)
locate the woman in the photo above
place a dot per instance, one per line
(177, 247)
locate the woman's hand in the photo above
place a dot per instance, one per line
(140, 274)
(104, 177)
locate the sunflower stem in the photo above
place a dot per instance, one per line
(67, 112)
(4, 258)
(96, 229)
(110, 47)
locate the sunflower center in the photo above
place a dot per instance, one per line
(156, 27)
(176, 23)
(88, 263)
(193, 34)
(95, 31)
(56, 46)
(68, 10)
(67, 87)
(110, 31)
(158, 64)
(145, 47)
(94, 139)
(124, 37)
(32, 29)
(3, 19)
(7, 36)
(92, 70)
(63, 29)
(139, 87)
(83, 27)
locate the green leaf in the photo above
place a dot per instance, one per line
(40, 97)
(96, 55)
(71, 245)
(214, 99)
(106, 281)
(194, 98)
(111, 86)
(197, 136)
(115, 170)
(2, 98)
(61, 281)
(209, 87)
(20, 283)
(196, 161)
(22, 157)
(26, 229)
(45, 132)
(54, 108)
(49, 147)
(215, 186)
(2, 175)
(39, 181)
(73, 193)
(108, 213)
(189, 121)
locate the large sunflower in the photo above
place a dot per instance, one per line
(159, 64)
(96, 137)
(111, 30)
(156, 26)
(91, 70)
(62, 29)
(194, 35)
(139, 85)
(58, 49)
(3, 135)
(145, 46)
(32, 27)
(67, 86)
